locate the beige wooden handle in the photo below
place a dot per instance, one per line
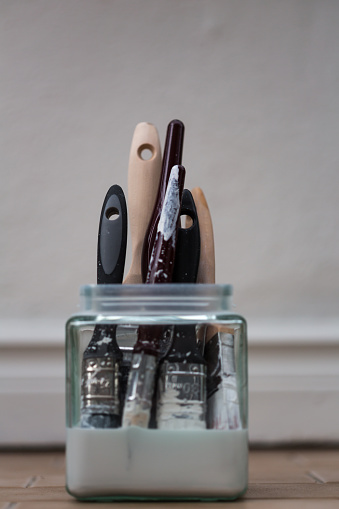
(206, 271)
(143, 182)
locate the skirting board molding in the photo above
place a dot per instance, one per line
(293, 383)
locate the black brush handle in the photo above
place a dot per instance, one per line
(187, 255)
(103, 343)
(100, 369)
(112, 238)
(184, 346)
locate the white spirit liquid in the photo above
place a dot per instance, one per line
(153, 462)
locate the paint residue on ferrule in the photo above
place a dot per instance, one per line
(224, 408)
(181, 396)
(140, 388)
(100, 404)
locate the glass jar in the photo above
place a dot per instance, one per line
(195, 443)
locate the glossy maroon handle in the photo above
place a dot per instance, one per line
(163, 255)
(172, 156)
(161, 264)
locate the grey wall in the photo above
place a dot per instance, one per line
(256, 84)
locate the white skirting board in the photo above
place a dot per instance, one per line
(293, 383)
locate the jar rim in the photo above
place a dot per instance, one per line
(157, 290)
(156, 298)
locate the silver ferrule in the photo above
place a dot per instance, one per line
(228, 357)
(224, 403)
(181, 396)
(229, 381)
(140, 389)
(100, 386)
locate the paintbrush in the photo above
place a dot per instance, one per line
(222, 391)
(143, 184)
(141, 380)
(172, 156)
(144, 169)
(223, 399)
(100, 399)
(182, 381)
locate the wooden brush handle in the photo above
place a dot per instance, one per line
(143, 184)
(206, 271)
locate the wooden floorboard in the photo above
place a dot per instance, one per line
(286, 479)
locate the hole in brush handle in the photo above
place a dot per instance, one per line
(186, 221)
(146, 152)
(112, 214)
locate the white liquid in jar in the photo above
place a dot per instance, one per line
(152, 462)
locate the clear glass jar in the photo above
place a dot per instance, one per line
(195, 445)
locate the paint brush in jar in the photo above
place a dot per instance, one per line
(141, 379)
(100, 398)
(172, 156)
(144, 169)
(223, 399)
(181, 400)
(222, 391)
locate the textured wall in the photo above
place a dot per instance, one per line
(256, 84)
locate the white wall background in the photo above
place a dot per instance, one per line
(256, 84)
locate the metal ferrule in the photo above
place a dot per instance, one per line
(181, 396)
(140, 389)
(224, 403)
(229, 381)
(228, 357)
(100, 386)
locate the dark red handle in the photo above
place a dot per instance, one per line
(163, 254)
(172, 156)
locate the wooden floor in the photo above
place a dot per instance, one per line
(279, 479)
